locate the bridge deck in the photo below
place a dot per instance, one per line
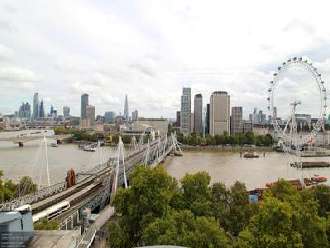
(61, 195)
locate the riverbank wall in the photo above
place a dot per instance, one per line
(227, 148)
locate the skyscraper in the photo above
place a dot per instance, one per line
(66, 111)
(207, 119)
(135, 115)
(109, 117)
(185, 118)
(219, 113)
(198, 113)
(236, 120)
(41, 110)
(255, 116)
(84, 103)
(90, 116)
(24, 111)
(35, 106)
(178, 115)
(126, 114)
(52, 111)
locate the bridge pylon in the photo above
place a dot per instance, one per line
(44, 161)
(141, 140)
(120, 164)
(175, 144)
(147, 154)
(134, 145)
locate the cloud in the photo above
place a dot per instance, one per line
(15, 74)
(150, 49)
(300, 26)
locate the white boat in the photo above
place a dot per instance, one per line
(89, 149)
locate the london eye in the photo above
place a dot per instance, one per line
(287, 131)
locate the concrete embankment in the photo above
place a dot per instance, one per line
(226, 148)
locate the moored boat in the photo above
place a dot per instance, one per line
(89, 149)
(250, 155)
(319, 179)
(310, 164)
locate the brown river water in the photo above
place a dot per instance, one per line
(29, 160)
(229, 167)
(226, 167)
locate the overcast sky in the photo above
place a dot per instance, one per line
(150, 49)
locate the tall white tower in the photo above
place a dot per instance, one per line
(126, 113)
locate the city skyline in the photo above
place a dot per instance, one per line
(180, 44)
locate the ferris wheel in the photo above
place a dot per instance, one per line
(287, 133)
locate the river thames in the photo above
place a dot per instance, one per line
(226, 167)
(29, 160)
(229, 167)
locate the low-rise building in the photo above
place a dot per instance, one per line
(247, 126)
(259, 129)
(159, 125)
(16, 227)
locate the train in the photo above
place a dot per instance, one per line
(63, 206)
(24, 208)
(52, 211)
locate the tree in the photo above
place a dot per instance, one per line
(147, 198)
(268, 140)
(25, 186)
(249, 138)
(231, 207)
(220, 202)
(118, 237)
(44, 224)
(182, 228)
(196, 193)
(7, 189)
(271, 227)
(322, 195)
(306, 221)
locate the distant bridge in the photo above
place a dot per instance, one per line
(20, 137)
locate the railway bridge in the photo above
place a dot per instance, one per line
(95, 187)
